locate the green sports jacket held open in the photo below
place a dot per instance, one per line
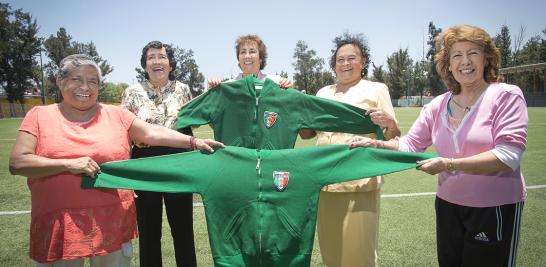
(271, 117)
(260, 205)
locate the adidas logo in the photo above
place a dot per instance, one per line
(481, 237)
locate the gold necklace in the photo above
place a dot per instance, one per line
(465, 109)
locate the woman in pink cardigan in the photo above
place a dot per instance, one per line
(479, 130)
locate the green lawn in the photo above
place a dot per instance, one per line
(407, 235)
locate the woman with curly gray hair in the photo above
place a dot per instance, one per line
(58, 143)
(348, 213)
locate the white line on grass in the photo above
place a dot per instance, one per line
(200, 204)
(17, 212)
(409, 195)
(203, 132)
(536, 186)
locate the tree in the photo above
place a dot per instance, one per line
(309, 74)
(503, 42)
(324, 78)
(283, 74)
(532, 52)
(91, 50)
(400, 73)
(187, 71)
(18, 46)
(543, 56)
(140, 74)
(111, 92)
(378, 74)
(518, 42)
(435, 82)
(61, 45)
(419, 79)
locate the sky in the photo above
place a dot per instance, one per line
(121, 28)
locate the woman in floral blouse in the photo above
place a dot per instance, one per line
(157, 100)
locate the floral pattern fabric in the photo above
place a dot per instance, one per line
(157, 105)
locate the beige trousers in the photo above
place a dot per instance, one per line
(348, 228)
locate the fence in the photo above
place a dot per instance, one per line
(535, 99)
(412, 101)
(11, 110)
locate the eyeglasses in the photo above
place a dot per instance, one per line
(349, 60)
(79, 81)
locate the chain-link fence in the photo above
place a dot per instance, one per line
(13, 110)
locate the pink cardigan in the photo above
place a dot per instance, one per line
(499, 117)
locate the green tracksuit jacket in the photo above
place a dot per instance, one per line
(270, 118)
(260, 205)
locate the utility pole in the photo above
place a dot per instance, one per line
(42, 74)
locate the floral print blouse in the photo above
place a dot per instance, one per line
(157, 105)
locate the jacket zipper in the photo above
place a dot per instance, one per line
(259, 173)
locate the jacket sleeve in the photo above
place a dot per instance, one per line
(339, 163)
(333, 116)
(184, 172)
(202, 109)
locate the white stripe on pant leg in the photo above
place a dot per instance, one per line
(499, 223)
(520, 210)
(511, 254)
(515, 235)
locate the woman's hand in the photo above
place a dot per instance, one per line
(285, 83)
(381, 118)
(207, 144)
(363, 141)
(215, 82)
(83, 165)
(434, 165)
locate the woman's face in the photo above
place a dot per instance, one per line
(467, 63)
(157, 66)
(80, 89)
(249, 58)
(349, 64)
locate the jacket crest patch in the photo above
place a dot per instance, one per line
(281, 180)
(270, 118)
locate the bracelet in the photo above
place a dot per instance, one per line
(450, 167)
(193, 143)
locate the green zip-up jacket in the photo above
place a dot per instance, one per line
(260, 205)
(270, 118)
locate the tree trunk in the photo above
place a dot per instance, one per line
(12, 109)
(24, 112)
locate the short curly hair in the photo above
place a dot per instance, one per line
(170, 56)
(71, 62)
(358, 40)
(262, 49)
(466, 33)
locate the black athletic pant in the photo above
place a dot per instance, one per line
(468, 236)
(179, 208)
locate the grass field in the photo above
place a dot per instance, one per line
(407, 227)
